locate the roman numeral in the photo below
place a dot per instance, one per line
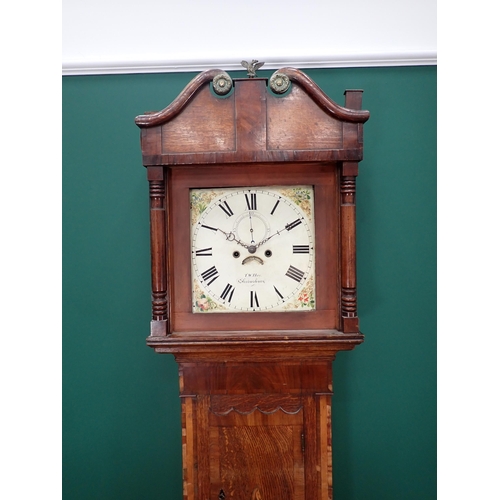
(278, 292)
(300, 248)
(254, 301)
(228, 292)
(275, 206)
(226, 208)
(293, 224)
(294, 273)
(251, 201)
(204, 252)
(210, 273)
(209, 227)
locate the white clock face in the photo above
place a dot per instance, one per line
(253, 249)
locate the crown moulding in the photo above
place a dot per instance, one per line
(322, 100)
(89, 67)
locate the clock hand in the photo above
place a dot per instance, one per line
(287, 227)
(231, 237)
(265, 240)
(251, 227)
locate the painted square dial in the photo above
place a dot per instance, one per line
(253, 249)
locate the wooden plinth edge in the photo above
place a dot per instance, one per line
(253, 346)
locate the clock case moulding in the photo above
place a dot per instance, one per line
(254, 133)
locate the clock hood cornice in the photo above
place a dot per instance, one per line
(253, 120)
(154, 118)
(336, 111)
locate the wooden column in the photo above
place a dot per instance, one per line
(157, 207)
(348, 237)
(353, 137)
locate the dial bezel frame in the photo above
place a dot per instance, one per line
(270, 250)
(323, 177)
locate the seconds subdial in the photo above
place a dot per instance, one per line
(252, 227)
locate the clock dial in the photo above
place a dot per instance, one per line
(253, 249)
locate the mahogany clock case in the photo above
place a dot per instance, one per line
(255, 384)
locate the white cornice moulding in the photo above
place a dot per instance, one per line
(151, 66)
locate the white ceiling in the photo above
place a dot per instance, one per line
(102, 36)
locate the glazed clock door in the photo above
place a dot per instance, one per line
(248, 254)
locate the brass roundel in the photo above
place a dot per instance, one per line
(222, 84)
(280, 83)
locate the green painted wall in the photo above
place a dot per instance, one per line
(121, 412)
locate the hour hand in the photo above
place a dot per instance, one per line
(231, 237)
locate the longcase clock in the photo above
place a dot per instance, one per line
(253, 256)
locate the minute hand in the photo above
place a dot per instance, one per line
(287, 227)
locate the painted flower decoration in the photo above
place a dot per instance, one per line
(203, 304)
